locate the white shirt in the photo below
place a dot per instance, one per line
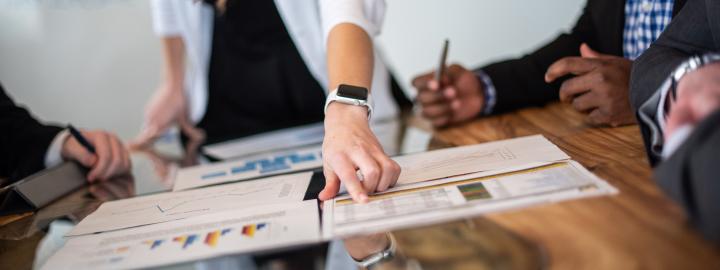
(308, 23)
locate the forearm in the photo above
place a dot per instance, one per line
(174, 61)
(350, 56)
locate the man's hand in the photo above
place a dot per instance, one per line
(460, 99)
(167, 107)
(600, 88)
(111, 158)
(349, 145)
(698, 95)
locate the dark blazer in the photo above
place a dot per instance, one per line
(521, 82)
(23, 140)
(690, 175)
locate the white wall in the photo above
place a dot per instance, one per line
(95, 62)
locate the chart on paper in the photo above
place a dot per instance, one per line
(177, 205)
(194, 238)
(441, 200)
(253, 167)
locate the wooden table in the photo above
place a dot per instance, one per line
(639, 228)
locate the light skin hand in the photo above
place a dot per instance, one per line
(111, 158)
(349, 145)
(460, 100)
(599, 88)
(168, 106)
(361, 247)
(698, 95)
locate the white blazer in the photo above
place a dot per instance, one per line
(308, 23)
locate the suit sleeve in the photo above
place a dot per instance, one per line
(688, 34)
(690, 177)
(23, 139)
(521, 82)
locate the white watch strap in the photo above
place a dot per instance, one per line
(332, 97)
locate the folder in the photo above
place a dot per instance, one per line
(42, 188)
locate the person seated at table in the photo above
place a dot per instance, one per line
(29, 146)
(588, 67)
(675, 86)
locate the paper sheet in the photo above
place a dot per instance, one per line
(164, 207)
(476, 158)
(387, 132)
(248, 230)
(249, 168)
(438, 201)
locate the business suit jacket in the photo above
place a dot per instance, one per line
(23, 140)
(521, 82)
(690, 175)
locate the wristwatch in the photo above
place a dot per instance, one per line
(692, 64)
(352, 95)
(376, 258)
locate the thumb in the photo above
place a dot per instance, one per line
(587, 52)
(332, 185)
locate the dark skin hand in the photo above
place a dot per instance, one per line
(460, 99)
(599, 88)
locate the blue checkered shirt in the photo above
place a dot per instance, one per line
(644, 22)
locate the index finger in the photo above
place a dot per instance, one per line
(569, 65)
(345, 170)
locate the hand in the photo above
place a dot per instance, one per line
(362, 247)
(460, 100)
(168, 106)
(349, 144)
(600, 88)
(698, 95)
(111, 158)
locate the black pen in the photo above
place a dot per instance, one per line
(81, 139)
(441, 67)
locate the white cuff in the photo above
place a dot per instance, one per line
(53, 156)
(660, 116)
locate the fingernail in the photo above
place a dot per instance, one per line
(363, 198)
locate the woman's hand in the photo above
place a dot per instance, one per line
(349, 145)
(361, 247)
(167, 107)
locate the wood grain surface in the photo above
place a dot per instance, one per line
(639, 228)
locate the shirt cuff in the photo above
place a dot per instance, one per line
(53, 156)
(489, 92)
(660, 116)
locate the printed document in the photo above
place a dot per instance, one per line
(460, 197)
(169, 206)
(231, 232)
(253, 167)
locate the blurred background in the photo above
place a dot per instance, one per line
(95, 63)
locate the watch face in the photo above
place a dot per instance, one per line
(354, 92)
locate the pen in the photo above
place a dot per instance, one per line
(81, 139)
(441, 67)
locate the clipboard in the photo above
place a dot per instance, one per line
(42, 188)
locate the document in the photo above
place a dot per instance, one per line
(165, 207)
(239, 231)
(387, 132)
(460, 197)
(253, 167)
(497, 155)
(267, 142)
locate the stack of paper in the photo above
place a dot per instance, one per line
(268, 212)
